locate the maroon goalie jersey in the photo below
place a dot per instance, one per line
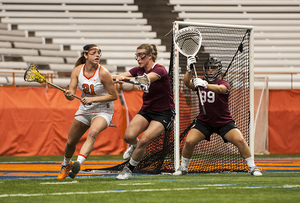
(159, 95)
(216, 106)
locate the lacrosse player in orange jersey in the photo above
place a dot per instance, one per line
(157, 112)
(95, 111)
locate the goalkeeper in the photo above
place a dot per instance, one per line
(215, 93)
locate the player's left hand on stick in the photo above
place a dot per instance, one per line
(69, 95)
(198, 82)
(190, 60)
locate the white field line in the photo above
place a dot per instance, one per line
(59, 183)
(224, 186)
(136, 184)
(98, 192)
(291, 186)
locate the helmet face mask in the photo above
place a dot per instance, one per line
(212, 64)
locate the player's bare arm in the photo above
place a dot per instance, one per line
(73, 83)
(153, 77)
(122, 76)
(219, 89)
(187, 80)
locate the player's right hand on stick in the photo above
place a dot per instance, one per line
(190, 60)
(119, 80)
(87, 100)
(198, 82)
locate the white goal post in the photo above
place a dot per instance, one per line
(177, 25)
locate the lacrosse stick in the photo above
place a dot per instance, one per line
(139, 80)
(32, 74)
(188, 42)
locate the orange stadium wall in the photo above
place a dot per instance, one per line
(284, 121)
(35, 122)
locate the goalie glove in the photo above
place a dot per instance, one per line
(190, 60)
(198, 82)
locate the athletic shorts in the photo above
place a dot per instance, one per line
(87, 118)
(166, 118)
(208, 130)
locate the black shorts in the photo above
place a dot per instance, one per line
(208, 130)
(166, 118)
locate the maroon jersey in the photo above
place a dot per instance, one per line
(159, 97)
(216, 106)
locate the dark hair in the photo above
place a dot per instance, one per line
(81, 59)
(150, 49)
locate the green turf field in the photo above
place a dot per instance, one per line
(273, 187)
(106, 157)
(233, 187)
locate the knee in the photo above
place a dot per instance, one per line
(92, 135)
(143, 143)
(189, 144)
(129, 137)
(240, 142)
(70, 144)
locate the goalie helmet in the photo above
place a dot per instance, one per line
(212, 62)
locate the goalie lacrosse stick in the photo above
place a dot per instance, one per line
(188, 42)
(33, 75)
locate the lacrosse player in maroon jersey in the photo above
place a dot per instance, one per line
(95, 111)
(215, 93)
(157, 112)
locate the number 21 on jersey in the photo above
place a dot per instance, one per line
(88, 89)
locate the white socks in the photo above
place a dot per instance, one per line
(185, 162)
(81, 158)
(133, 162)
(250, 162)
(67, 161)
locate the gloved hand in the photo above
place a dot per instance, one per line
(198, 82)
(190, 60)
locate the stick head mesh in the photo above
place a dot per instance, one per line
(188, 41)
(143, 80)
(33, 75)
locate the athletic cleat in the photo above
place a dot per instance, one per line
(75, 168)
(128, 153)
(64, 171)
(180, 171)
(125, 174)
(255, 171)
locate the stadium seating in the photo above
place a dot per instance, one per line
(276, 32)
(52, 32)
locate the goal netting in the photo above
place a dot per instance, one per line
(231, 44)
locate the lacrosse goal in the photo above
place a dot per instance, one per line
(233, 46)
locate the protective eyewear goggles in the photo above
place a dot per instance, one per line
(94, 51)
(142, 55)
